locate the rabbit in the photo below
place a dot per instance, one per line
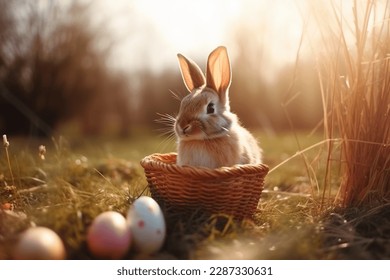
(208, 134)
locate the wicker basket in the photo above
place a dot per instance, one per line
(230, 190)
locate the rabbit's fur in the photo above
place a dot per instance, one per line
(208, 134)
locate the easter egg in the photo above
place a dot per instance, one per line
(147, 225)
(39, 243)
(109, 236)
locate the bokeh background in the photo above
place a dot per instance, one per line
(107, 67)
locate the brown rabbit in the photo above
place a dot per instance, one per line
(208, 134)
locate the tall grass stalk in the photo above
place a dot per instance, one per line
(355, 84)
(6, 145)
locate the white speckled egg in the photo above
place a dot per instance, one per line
(146, 221)
(108, 236)
(39, 243)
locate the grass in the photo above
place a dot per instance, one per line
(355, 84)
(66, 188)
(79, 179)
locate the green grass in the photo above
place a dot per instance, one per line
(80, 178)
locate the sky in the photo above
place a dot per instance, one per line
(150, 33)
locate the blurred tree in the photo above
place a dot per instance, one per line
(156, 95)
(267, 95)
(53, 67)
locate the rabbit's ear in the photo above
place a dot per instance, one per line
(192, 75)
(218, 72)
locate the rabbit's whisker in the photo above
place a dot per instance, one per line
(165, 119)
(168, 121)
(175, 95)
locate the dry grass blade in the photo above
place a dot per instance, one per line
(6, 145)
(356, 98)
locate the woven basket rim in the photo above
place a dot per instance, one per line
(167, 162)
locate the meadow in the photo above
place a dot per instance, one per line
(72, 181)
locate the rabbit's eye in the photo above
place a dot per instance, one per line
(210, 108)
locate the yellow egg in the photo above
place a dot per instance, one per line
(109, 236)
(39, 243)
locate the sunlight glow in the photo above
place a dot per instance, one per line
(152, 32)
(191, 25)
